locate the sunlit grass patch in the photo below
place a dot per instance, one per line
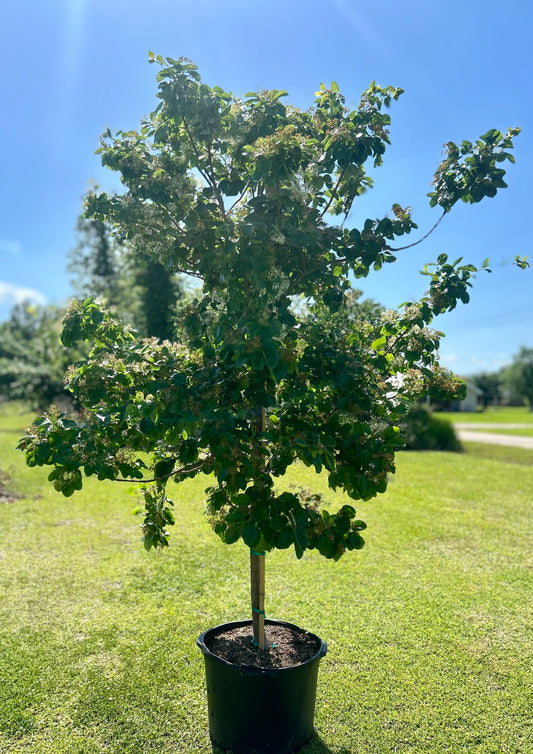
(500, 415)
(500, 453)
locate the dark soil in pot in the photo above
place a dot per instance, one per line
(285, 646)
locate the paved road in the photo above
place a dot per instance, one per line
(490, 425)
(494, 438)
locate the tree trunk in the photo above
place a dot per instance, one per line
(257, 560)
(257, 580)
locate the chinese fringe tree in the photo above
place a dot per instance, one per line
(252, 197)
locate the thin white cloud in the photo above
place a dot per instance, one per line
(10, 247)
(470, 364)
(451, 358)
(15, 294)
(491, 363)
(356, 18)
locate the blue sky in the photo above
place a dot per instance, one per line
(71, 68)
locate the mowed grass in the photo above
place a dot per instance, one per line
(428, 628)
(500, 415)
(506, 454)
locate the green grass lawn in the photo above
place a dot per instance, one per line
(428, 628)
(504, 415)
(501, 453)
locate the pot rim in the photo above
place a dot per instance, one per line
(252, 669)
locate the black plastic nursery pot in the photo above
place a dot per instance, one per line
(260, 710)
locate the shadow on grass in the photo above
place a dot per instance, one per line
(315, 746)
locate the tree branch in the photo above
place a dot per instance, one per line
(204, 175)
(334, 192)
(184, 470)
(239, 198)
(410, 246)
(168, 214)
(152, 230)
(214, 184)
(300, 278)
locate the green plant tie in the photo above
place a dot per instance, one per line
(259, 612)
(257, 552)
(256, 643)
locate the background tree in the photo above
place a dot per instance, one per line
(236, 192)
(160, 292)
(98, 265)
(490, 384)
(32, 359)
(518, 376)
(140, 290)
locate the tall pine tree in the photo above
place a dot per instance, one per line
(140, 290)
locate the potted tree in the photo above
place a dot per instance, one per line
(252, 198)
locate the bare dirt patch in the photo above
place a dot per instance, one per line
(7, 493)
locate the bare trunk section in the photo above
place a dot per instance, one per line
(257, 580)
(257, 560)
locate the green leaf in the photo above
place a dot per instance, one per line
(300, 537)
(164, 468)
(285, 539)
(251, 535)
(148, 427)
(234, 516)
(232, 534)
(355, 540)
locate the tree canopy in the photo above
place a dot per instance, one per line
(252, 197)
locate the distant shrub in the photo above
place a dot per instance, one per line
(422, 430)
